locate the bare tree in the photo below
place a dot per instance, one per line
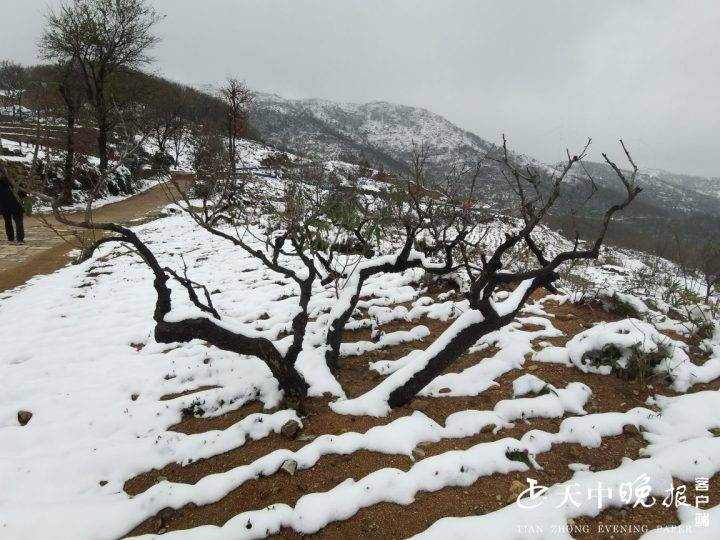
(487, 272)
(12, 83)
(707, 262)
(165, 118)
(211, 162)
(237, 99)
(101, 37)
(70, 88)
(408, 217)
(311, 224)
(304, 235)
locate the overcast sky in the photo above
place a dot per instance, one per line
(547, 73)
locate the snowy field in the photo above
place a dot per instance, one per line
(78, 353)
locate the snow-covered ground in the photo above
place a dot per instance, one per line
(78, 353)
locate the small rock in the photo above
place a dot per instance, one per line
(24, 417)
(166, 514)
(630, 429)
(418, 453)
(498, 497)
(533, 367)
(161, 520)
(290, 429)
(134, 396)
(306, 437)
(289, 466)
(103, 482)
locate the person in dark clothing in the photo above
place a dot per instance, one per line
(12, 210)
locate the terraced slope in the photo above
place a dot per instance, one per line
(132, 437)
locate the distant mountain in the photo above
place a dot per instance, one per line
(700, 184)
(380, 131)
(385, 134)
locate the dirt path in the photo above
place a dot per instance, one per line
(45, 252)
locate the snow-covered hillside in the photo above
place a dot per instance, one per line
(131, 436)
(385, 133)
(701, 184)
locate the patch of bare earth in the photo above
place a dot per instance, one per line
(389, 520)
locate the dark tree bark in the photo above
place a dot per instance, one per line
(402, 263)
(66, 196)
(458, 344)
(283, 369)
(72, 104)
(103, 126)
